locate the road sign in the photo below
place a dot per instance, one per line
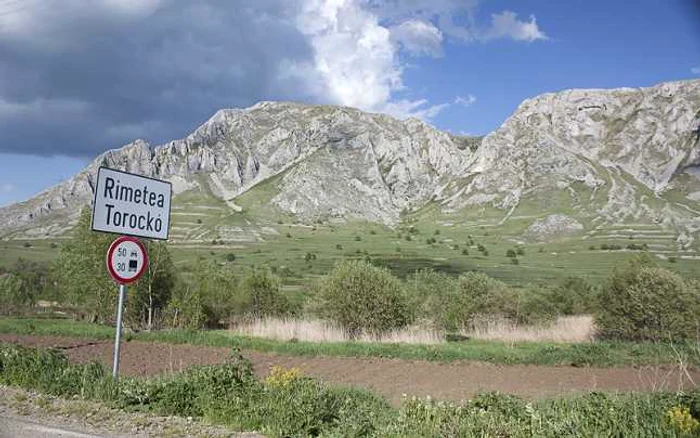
(132, 205)
(126, 259)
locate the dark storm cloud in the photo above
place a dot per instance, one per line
(84, 79)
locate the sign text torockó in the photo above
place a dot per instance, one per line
(131, 204)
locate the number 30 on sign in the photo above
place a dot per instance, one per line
(126, 259)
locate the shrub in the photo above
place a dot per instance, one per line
(520, 250)
(433, 295)
(510, 253)
(465, 251)
(573, 296)
(230, 257)
(263, 297)
(362, 298)
(514, 261)
(358, 238)
(338, 246)
(643, 302)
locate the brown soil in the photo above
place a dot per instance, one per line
(390, 377)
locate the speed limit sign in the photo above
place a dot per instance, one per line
(126, 259)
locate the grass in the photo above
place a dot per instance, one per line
(599, 354)
(565, 329)
(287, 403)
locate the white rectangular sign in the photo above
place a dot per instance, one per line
(131, 204)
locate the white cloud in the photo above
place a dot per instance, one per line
(7, 188)
(403, 109)
(507, 25)
(418, 37)
(695, 70)
(465, 101)
(356, 62)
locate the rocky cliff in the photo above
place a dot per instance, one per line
(628, 152)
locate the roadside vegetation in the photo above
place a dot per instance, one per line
(647, 312)
(287, 403)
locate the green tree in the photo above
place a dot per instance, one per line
(83, 282)
(262, 294)
(643, 302)
(81, 277)
(12, 298)
(148, 297)
(363, 298)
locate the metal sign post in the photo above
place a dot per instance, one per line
(118, 339)
(126, 262)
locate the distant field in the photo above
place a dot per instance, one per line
(297, 252)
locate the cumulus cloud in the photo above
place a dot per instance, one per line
(418, 37)
(507, 25)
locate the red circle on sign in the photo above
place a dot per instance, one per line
(113, 247)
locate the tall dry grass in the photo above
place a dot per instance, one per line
(565, 329)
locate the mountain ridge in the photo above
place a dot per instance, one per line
(618, 151)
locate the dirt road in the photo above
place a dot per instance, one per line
(389, 377)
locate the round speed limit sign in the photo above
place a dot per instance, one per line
(126, 259)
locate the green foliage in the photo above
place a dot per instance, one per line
(510, 253)
(80, 274)
(455, 305)
(148, 297)
(262, 295)
(185, 309)
(12, 297)
(500, 415)
(465, 251)
(643, 302)
(217, 290)
(83, 282)
(290, 404)
(230, 257)
(520, 250)
(362, 298)
(573, 296)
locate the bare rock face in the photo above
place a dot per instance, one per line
(553, 227)
(615, 153)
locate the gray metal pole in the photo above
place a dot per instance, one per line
(118, 339)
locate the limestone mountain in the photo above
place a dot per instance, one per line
(586, 158)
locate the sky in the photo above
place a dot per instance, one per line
(79, 77)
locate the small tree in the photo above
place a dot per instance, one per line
(81, 277)
(262, 294)
(510, 253)
(362, 298)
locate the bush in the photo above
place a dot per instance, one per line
(510, 253)
(262, 295)
(362, 298)
(641, 302)
(465, 251)
(433, 295)
(573, 296)
(230, 257)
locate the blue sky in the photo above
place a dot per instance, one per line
(92, 76)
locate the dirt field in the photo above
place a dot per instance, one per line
(389, 377)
